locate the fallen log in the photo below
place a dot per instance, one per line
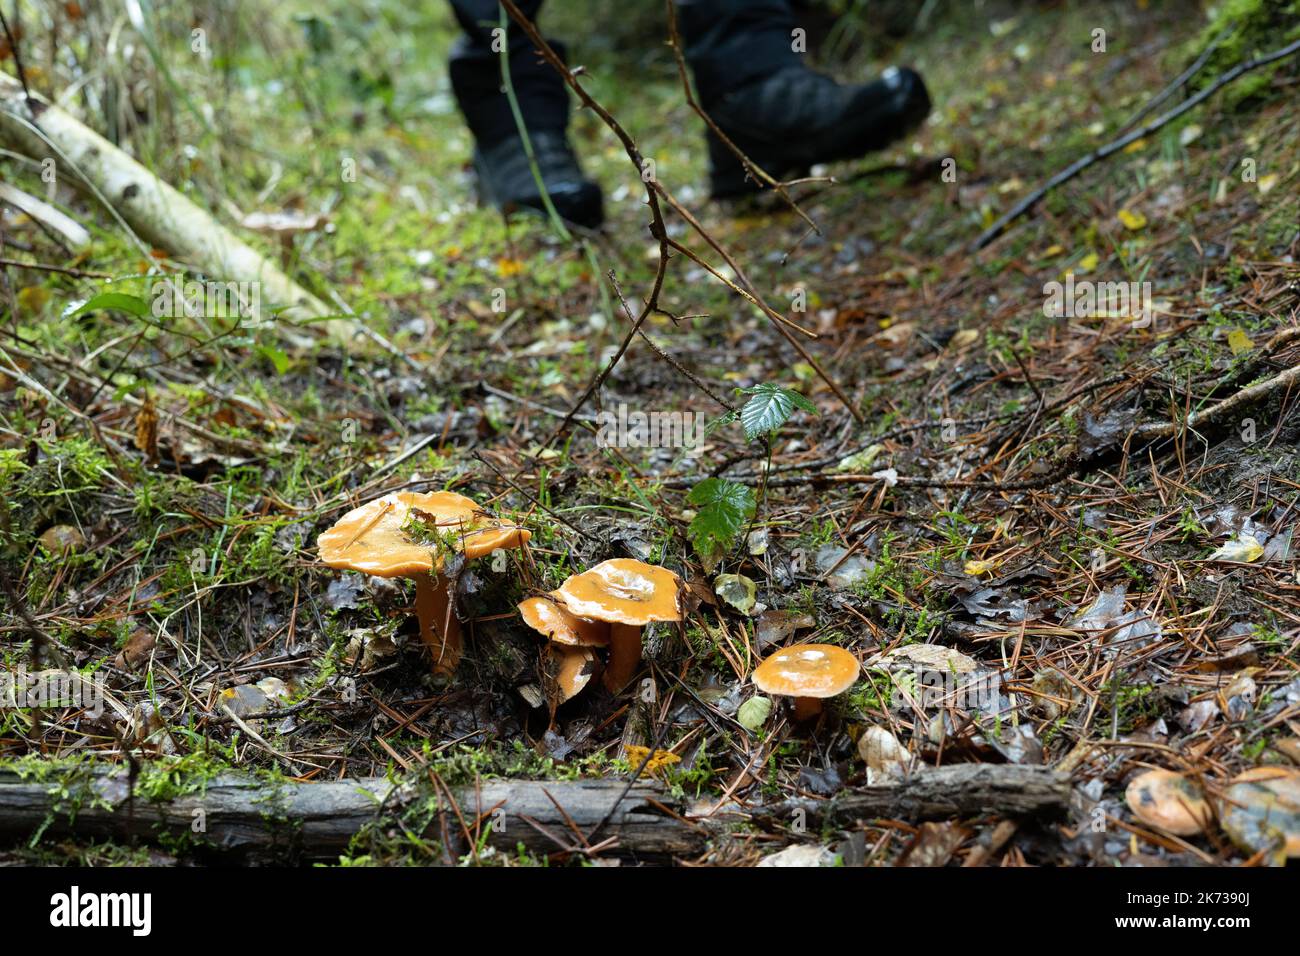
(152, 208)
(256, 819)
(961, 790)
(252, 818)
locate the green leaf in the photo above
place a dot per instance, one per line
(118, 301)
(275, 357)
(769, 407)
(722, 508)
(753, 713)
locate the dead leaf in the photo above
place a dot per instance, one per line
(146, 429)
(933, 845)
(137, 649)
(935, 656)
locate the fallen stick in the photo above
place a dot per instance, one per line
(74, 233)
(962, 790)
(152, 208)
(1114, 146)
(1217, 412)
(1178, 82)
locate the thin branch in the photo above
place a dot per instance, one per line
(1114, 146)
(657, 227)
(18, 56)
(1179, 81)
(1215, 413)
(681, 369)
(654, 192)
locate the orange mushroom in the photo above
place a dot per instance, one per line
(808, 673)
(549, 618)
(407, 534)
(628, 595)
(1168, 800)
(572, 639)
(573, 668)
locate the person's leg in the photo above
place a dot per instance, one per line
(729, 43)
(505, 177)
(757, 87)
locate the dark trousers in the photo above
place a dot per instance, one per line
(727, 43)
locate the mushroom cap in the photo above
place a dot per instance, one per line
(807, 670)
(370, 538)
(1168, 800)
(549, 618)
(284, 223)
(574, 668)
(623, 591)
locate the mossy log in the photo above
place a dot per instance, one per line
(252, 818)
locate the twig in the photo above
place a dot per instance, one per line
(1114, 146)
(62, 270)
(531, 498)
(685, 372)
(657, 227)
(1179, 81)
(1214, 413)
(908, 481)
(18, 56)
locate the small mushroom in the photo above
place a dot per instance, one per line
(883, 754)
(572, 639)
(573, 668)
(283, 226)
(551, 619)
(381, 538)
(1168, 800)
(63, 539)
(628, 595)
(808, 673)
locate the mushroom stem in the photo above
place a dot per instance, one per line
(624, 655)
(439, 628)
(806, 708)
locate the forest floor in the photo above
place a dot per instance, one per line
(1122, 600)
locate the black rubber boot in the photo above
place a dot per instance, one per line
(797, 118)
(505, 178)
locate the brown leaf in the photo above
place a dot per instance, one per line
(934, 845)
(146, 430)
(137, 649)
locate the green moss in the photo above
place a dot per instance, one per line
(1254, 27)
